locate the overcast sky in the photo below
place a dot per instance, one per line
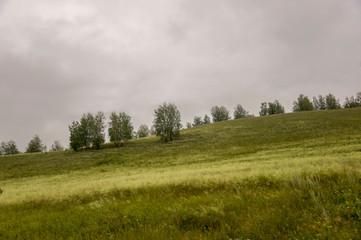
(59, 59)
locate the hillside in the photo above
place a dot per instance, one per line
(279, 176)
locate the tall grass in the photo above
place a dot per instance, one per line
(291, 176)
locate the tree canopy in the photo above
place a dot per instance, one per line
(120, 128)
(197, 121)
(303, 103)
(57, 146)
(143, 131)
(35, 145)
(8, 148)
(220, 113)
(88, 132)
(240, 112)
(167, 121)
(353, 101)
(271, 108)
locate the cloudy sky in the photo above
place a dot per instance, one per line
(59, 59)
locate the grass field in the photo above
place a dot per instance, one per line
(287, 176)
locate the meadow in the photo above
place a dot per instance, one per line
(286, 176)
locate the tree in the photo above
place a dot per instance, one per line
(197, 121)
(326, 103)
(220, 114)
(97, 126)
(167, 122)
(57, 146)
(35, 145)
(143, 131)
(88, 132)
(353, 101)
(152, 130)
(275, 108)
(303, 103)
(240, 112)
(120, 128)
(85, 129)
(319, 103)
(263, 111)
(8, 148)
(188, 125)
(76, 138)
(206, 119)
(271, 108)
(332, 102)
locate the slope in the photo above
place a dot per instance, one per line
(226, 159)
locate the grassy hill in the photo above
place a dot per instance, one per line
(293, 175)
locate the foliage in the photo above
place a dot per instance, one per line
(86, 124)
(206, 119)
(120, 128)
(332, 102)
(263, 111)
(197, 121)
(188, 125)
(275, 108)
(35, 145)
(75, 138)
(97, 127)
(57, 146)
(88, 132)
(319, 103)
(240, 112)
(220, 114)
(167, 121)
(328, 102)
(8, 148)
(303, 103)
(152, 131)
(271, 108)
(353, 101)
(143, 131)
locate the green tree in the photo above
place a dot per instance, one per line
(353, 102)
(35, 145)
(303, 103)
(219, 114)
(188, 125)
(197, 121)
(143, 131)
(240, 112)
(120, 128)
(56, 146)
(97, 127)
(152, 130)
(275, 108)
(88, 132)
(8, 148)
(85, 129)
(319, 103)
(263, 111)
(76, 138)
(167, 122)
(332, 102)
(271, 108)
(206, 119)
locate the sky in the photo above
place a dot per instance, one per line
(60, 59)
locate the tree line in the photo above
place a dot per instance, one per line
(89, 131)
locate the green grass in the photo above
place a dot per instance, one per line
(284, 176)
